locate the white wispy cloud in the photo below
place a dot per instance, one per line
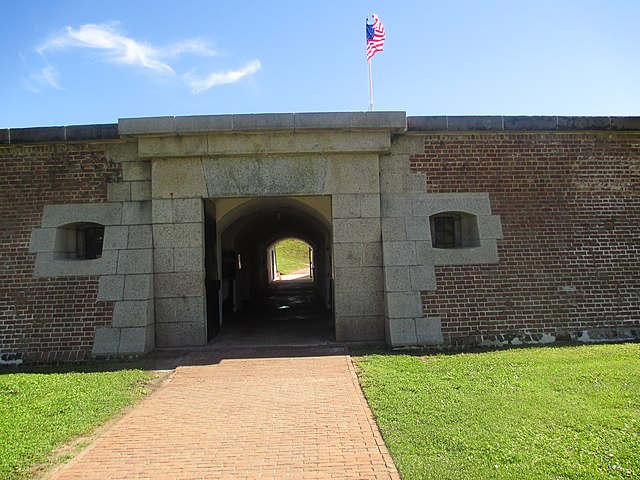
(119, 48)
(45, 78)
(199, 84)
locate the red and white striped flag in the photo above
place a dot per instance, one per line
(375, 37)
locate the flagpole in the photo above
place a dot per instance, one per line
(370, 87)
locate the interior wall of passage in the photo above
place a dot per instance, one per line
(249, 226)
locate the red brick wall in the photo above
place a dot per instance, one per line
(47, 319)
(570, 257)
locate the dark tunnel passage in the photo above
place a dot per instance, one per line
(245, 306)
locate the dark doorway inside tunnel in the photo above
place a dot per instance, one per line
(284, 313)
(247, 301)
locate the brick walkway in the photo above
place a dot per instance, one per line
(245, 414)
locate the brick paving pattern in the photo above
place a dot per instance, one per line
(247, 413)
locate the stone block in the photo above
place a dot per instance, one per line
(42, 240)
(489, 226)
(407, 144)
(188, 210)
(140, 191)
(131, 313)
(263, 121)
(178, 178)
(372, 254)
(391, 183)
(393, 229)
(178, 235)
(347, 254)
(151, 337)
(474, 123)
(394, 164)
(429, 331)
(622, 123)
(355, 230)
(119, 192)
(203, 123)
(370, 205)
(163, 260)
(360, 329)
(399, 253)
(389, 120)
(529, 123)
(106, 341)
(584, 123)
(426, 124)
(359, 279)
(182, 284)
(122, 152)
(179, 309)
(78, 133)
(102, 213)
(432, 203)
(276, 143)
(180, 146)
(138, 287)
(136, 171)
(354, 304)
(38, 134)
(424, 253)
(188, 260)
(485, 254)
(404, 304)
(396, 205)
(397, 279)
(137, 126)
(321, 120)
(283, 175)
(136, 213)
(162, 211)
(353, 174)
(140, 236)
(402, 332)
(185, 334)
(345, 206)
(423, 277)
(395, 121)
(133, 341)
(415, 182)
(418, 228)
(135, 261)
(111, 287)
(115, 237)
(48, 265)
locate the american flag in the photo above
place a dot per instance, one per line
(375, 37)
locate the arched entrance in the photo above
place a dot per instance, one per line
(290, 259)
(243, 301)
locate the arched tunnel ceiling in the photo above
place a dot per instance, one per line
(262, 221)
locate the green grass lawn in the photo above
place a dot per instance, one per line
(538, 413)
(39, 412)
(292, 255)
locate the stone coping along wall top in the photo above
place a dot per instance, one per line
(396, 122)
(520, 123)
(71, 133)
(282, 122)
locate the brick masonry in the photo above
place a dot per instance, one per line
(569, 262)
(47, 319)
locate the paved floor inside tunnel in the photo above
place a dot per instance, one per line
(287, 313)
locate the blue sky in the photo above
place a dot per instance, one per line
(68, 62)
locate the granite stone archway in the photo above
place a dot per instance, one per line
(320, 176)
